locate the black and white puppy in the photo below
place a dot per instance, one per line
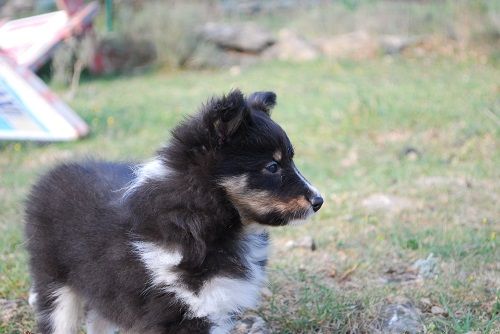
(177, 245)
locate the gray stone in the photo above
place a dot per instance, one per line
(426, 268)
(290, 46)
(251, 324)
(244, 37)
(398, 318)
(306, 242)
(410, 153)
(395, 44)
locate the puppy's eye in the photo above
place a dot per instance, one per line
(273, 167)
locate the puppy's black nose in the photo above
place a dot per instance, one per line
(316, 202)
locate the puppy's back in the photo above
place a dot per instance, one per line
(74, 204)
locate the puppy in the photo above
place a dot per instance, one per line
(177, 245)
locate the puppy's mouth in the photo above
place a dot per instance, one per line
(279, 215)
(301, 217)
(307, 207)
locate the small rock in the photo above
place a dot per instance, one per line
(400, 318)
(250, 324)
(410, 153)
(265, 292)
(438, 310)
(247, 37)
(426, 268)
(393, 44)
(304, 242)
(235, 70)
(290, 46)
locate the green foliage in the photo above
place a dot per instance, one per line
(171, 25)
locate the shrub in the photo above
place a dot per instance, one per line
(172, 26)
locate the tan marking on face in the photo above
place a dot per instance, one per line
(277, 155)
(244, 198)
(259, 201)
(295, 204)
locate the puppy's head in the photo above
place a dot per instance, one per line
(254, 161)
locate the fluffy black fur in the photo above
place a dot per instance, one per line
(81, 218)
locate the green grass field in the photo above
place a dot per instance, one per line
(424, 134)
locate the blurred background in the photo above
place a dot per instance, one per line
(393, 107)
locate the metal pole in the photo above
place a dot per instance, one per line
(109, 15)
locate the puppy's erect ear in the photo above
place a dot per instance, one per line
(226, 114)
(264, 101)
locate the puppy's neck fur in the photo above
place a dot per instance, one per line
(170, 206)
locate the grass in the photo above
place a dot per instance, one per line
(352, 125)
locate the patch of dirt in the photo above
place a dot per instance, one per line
(350, 159)
(386, 202)
(470, 202)
(442, 181)
(397, 136)
(16, 311)
(416, 273)
(399, 275)
(8, 309)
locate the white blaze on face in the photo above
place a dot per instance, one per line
(306, 183)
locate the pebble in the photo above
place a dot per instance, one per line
(306, 242)
(251, 324)
(438, 310)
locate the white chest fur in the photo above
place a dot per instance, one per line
(220, 296)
